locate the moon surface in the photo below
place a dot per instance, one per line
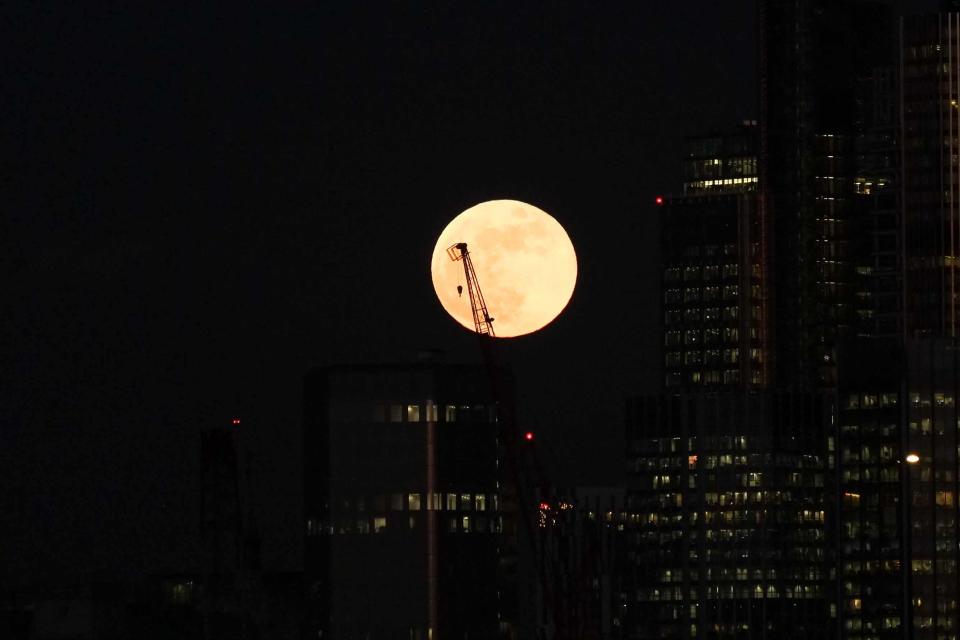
(524, 261)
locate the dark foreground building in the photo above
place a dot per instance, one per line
(408, 526)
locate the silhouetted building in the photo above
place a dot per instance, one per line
(408, 525)
(811, 54)
(581, 543)
(875, 242)
(230, 580)
(929, 99)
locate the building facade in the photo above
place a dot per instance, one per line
(409, 530)
(727, 501)
(897, 431)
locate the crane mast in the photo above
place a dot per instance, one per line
(482, 322)
(525, 470)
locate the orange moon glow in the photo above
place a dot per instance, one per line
(524, 261)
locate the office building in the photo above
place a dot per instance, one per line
(727, 501)
(930, 107)
(714, 266)
(409, 531)
(897, 431)
(811, 54)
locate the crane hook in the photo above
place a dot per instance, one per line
(460, 290)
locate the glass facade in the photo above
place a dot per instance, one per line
(713, 293)
(728, 496)
(897, 434)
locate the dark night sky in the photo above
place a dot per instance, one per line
(205, 204)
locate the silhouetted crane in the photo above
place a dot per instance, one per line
(482, 321)
(526, 471)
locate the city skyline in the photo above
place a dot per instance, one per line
(206, 210)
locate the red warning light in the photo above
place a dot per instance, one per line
(544, 506)
(659, 199)
(528, 436)
(235, 421)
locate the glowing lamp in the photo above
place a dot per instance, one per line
(528, 436)
(913, 458)
(544, 506)
(659, 200)
(235, 421)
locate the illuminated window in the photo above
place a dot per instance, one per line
(466, 524)
(396, 502)
(466, 501)
(413, 500)
(450, 413)
(480, 500)
(411, 522)
(396, 413)
(379, 524)
(451, 502)
(413, 413)
(431, 412)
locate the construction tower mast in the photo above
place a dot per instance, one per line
(482, 322)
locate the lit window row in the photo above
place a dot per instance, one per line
(430, 412)
(721, 182)
(380, 524)
(413, 502)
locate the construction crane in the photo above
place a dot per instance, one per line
(525, 470)
(482, 322)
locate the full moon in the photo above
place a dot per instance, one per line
(524, 261)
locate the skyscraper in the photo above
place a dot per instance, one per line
(811, 52)
(732, 476)
(897, 426)
(713, 276)
(930, 129)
